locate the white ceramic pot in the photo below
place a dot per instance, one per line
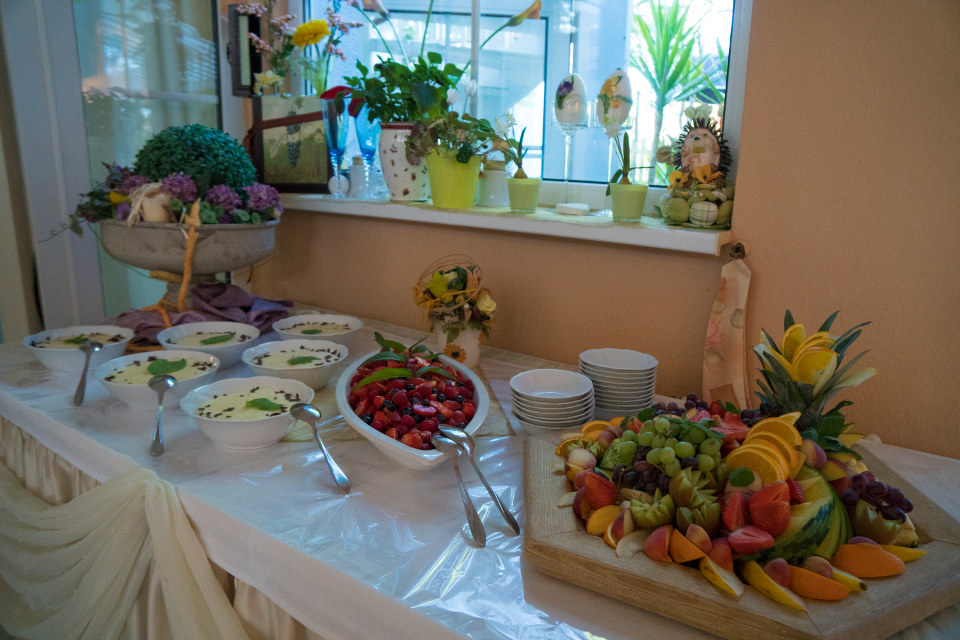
(466, 343)
(404, 180)
(492, 189)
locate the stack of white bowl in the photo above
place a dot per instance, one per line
(549, 399)
(623, 380)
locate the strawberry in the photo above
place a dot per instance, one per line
(382, 417)
(777, 491)
(412, 439)
(469, 409)
(796, 491)
(749, 539)
(430, 425)
(720, 553)
(378, 402)
(716, 409)
(599, 491)
(457, 418)
(392, 433)
(424, 410)
(735, 513)
(453, 405)
(772, 516)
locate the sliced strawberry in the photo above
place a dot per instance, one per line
(749, 539)
(599, 491)
(425, 390)
(735, 513)
(363, 406)
(430, 425)
(392, 432)
(453, 405)
(456, 418)
(716, 409)
(721, 554)
(424, 410)
(771, 516)
(796, 491)
(777, 491)
(469, 409)
(383, 418)
(412, 439)
(400, 400)
(378, 402)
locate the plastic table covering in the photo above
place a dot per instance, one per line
(394, 558)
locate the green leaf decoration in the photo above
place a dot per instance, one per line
(264, 404)
(311, 332)
(388, 345)
(437, 370)
(384, 355)
(162, 367)
(386, 373)
(217, 339)
(434, 58)
(729, 406)
(740, 477)
(828, 322)
(646, 414)
(77, 340)
(294, 361)
(809, 434)
(788, 320)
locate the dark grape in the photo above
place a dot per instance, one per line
(661, 405)
(692, 397)
(689, 404)
(859, 482)
(630, 478)
(664, 483)
(849, 497)
(703, 404)
(747, 414)
(672, 407)
(648, 476)
(650, 487)
(894, 496)
(641, 456)
(877, 491)
(642, 466)
(659, 412)
(690, 462)
(618, 472)
(890, 512)
(869, 476)
(906, 506)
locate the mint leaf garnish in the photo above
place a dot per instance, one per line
(77, 340)
(217, 339)
(311, 332)
(162, 367)
(301, 360)
(387, 373)
(740, 477)
(264, 404)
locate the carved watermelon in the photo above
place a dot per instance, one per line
(809, 524)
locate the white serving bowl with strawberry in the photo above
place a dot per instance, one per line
(398, 400)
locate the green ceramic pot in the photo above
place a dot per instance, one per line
(453, 184)
(524, 194)
(628, 201)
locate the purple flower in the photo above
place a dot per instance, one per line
(565, 87)
(123, 211)
(131, 182)
(180, 186)
(224, 196)
(262, 197)
(225, 219)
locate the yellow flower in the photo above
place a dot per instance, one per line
(676, 178)
(486, 304)
(265, 80)
(455, 351)
(532, 12)
(703, 174)
(609, 86)
(117, 198)
(310, 33)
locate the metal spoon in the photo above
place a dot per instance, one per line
(160, 384)
(311, 415)
(89, 348)
(466, 441)
(450, 449)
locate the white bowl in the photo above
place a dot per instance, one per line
(314, 374)
(632, 394)
(245, 434)
(609, 376)
(228, 352)
(569, 420)
(397, 451)
(571, 424)
(561, 411)
(71, 360)
(292, 328)
(139, 395)
(619, 359)
(551, 383)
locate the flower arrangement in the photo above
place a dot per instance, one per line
(452, 135)
(452, 294)
(622, 175)
(311, 44)
(512, 148)
(176, 168)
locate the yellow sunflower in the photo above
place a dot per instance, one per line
(455, 351)
(310, 33)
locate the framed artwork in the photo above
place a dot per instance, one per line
(244, 61)
(289, 144)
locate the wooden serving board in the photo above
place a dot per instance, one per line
(556, 544)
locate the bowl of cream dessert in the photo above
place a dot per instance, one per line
(225, 340)
(319, 326)
(126, 377)
(312, 362)
(245, 413)
(59, 349)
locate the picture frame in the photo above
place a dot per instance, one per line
(289, 144)
(244, 60)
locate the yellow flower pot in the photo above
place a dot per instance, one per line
(524, 194)
(628, 201)
(453, 184)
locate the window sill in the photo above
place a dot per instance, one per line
(597, 227)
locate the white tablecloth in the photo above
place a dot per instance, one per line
(391, 559)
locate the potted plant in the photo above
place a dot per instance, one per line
(627, 198)
(524, 191)
(400, 96)
(452, 146)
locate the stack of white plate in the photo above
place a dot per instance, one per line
(546, 399)
(623, 380)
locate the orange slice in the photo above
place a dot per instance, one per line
(792, 338)
(791, 454)
(790, 418)
(779, 427)
(564, 447)
(758, 460)
(813, 362)
(594, 426)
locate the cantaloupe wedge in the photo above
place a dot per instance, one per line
(757, 578)
(907, 554)
(807, 584)
(600, 519)
(682, 549)
(867, 561)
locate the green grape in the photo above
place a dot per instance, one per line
(653, 456)
(675, 430)
(696, 436)
(684, 449)
(629, 435)
(648, 426)
(670, 442)
(710, 446)
(672, 468)
(667, 454)
(706, 463)
(645, 438)
(663, 426)
(658, 441)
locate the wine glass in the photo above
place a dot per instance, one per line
(368, 133)
(336, 125)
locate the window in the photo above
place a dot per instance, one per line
(521, 67)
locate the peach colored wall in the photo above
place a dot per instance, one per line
(846, 175)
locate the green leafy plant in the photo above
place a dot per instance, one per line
(514, 152)
(451, 135)
(622, 175)
(208, 155)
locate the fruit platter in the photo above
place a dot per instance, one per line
(739, 522)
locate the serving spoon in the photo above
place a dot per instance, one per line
(311, 415)
(89, 348)
(450, 449)
(160, 384)
(467, 443)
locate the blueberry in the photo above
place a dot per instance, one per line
(441, 397)
(367, 417)
(459, 398)
(409, 387)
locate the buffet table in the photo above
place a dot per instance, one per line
(394, 558)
